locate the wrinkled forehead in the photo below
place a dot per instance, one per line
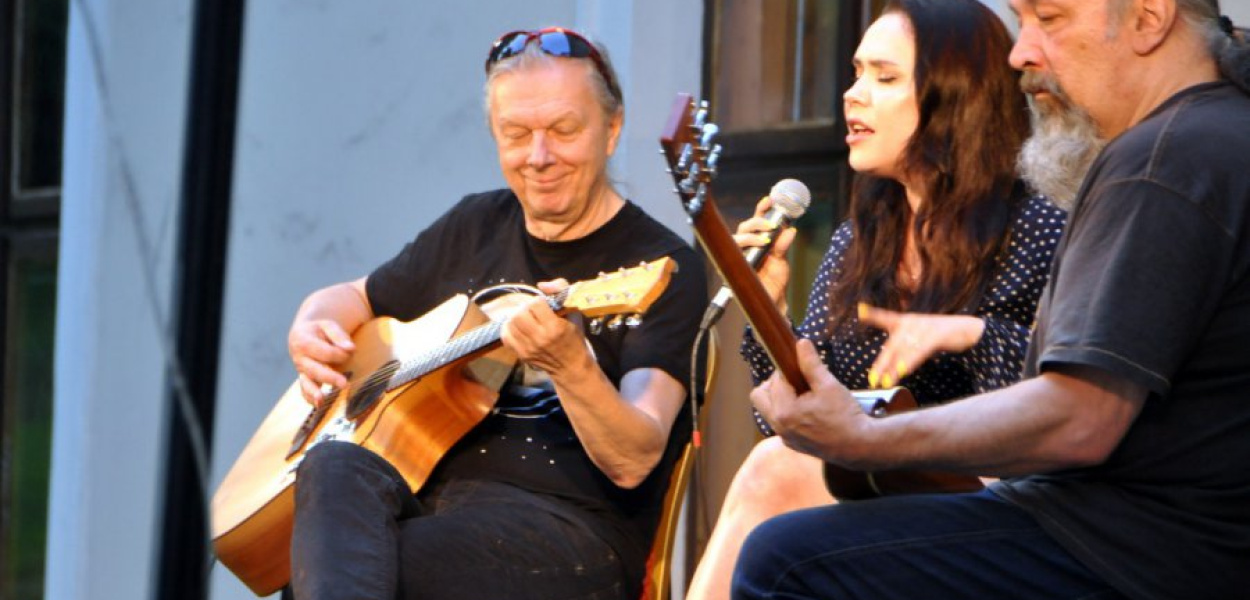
(1084, 11)
(544, 91)
(1018, 6)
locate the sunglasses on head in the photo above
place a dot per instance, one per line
(555, 41)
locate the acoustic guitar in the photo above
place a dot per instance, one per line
(688, 144)
(414, 389)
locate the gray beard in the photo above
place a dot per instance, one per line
(1056, 157)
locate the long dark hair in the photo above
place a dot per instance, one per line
(973, 120)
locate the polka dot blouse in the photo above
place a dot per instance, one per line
(1007, 308)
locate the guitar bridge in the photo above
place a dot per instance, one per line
(329, 395)
(338, 429)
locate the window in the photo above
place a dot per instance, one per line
(777, 71)
(27, 419)
(774, 63)
(32, 73)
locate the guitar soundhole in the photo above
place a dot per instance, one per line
(367, 393)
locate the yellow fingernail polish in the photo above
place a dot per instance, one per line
(902, 369)
(872, 379)
(887, 382)
(861, 310)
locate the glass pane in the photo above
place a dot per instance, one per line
(27, 432)
(40, 94)
(775, 62)
(813, 97)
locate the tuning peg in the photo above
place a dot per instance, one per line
(687, 185)
(713, 158)
(633, 321)
(709, 133)
(614, 324)
(683, 160)
(595, 325)
(700, 117)
(696, 203)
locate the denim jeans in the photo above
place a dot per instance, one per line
(360, 534)
(933, 547)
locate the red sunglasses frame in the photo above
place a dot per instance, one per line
(571, 45)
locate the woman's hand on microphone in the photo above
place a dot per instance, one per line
(757, 232)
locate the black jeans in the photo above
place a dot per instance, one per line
(936, 547)
(360, 534)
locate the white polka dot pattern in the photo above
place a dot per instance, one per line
(1008, 308)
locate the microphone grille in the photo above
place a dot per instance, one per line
(791, 196)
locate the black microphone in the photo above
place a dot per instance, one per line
(790, 200)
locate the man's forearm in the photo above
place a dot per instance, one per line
(1054, 421)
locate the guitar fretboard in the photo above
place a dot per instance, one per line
(457, 348)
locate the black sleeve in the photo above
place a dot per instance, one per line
(666, 337)
(402, 286)
(1152, 267)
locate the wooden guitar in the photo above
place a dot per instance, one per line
(688, 143)
(415, 388)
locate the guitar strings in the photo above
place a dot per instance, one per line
(461, 346)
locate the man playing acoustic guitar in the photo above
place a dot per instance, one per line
(557, 492)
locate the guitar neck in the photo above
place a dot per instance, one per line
(475, 340)
(772, 329)
(687, 144)
(482, 337)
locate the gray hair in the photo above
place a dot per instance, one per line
(1230, 49)
(609, 96)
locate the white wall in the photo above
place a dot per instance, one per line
(358, 127)
(125, 98)
(1238, 11)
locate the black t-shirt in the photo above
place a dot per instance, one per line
(527, 440)
(1152, 282)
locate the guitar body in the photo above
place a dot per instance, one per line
(846, 484)
(412, 426)
(854, 485)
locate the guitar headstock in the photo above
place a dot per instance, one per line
(624, 295)
(688, 145)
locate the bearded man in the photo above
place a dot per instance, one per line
(1122, 451)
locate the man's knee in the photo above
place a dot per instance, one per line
(332, 463)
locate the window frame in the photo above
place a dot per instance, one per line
(29, 230)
